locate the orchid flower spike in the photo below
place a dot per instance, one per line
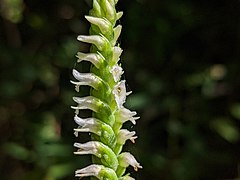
(106, 98)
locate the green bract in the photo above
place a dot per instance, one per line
(106, 99)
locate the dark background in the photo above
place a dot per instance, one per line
(181, 60)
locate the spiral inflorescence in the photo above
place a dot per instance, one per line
(106, 99)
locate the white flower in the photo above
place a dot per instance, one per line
(116, 71)
(124, 135)
(88, 79)
(92, 170)
(120, 93)
(88, 125)
(125, 159)
(99, 41)
(95, 58)
(124, 114)
(98, 171)
(91, 147)
(102, 151)
(88, 102)
(103, 24)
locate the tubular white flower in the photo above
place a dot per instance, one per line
(103, 24)
(88, 125)
(116, 71)
(124, 135)
(88, 79)
(98, 171)
(95, 58)
(92, 170)
(88, 102)
(99, 41)
(91, 147)
(94, 104)
(100, 150)
(125, 159)
(124, 114)
(96, 126)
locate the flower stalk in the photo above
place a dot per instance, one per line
(106, 99)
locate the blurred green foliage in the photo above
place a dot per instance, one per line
(181, 60)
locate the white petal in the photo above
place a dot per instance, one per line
(124, 114)
(88, 79)
(103, 24)
(88, 125)
(119, 92)
(117, 51)
(88, 102)
(126, 159)
(116, 71)
(95, 58)
(99, 41)
(92, 170)
(91, 147)
(117, 31)
(98, 171)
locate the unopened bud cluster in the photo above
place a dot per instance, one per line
(106, 99)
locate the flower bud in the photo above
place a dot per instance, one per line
(109, 10)
(103, 24)
(117, 31)
(117, 51)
